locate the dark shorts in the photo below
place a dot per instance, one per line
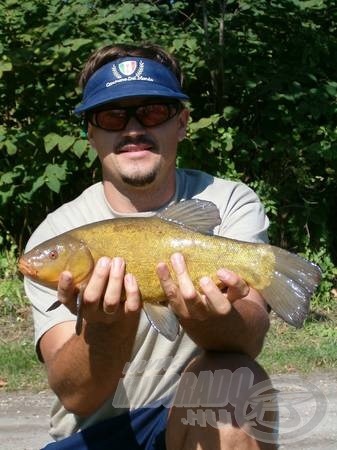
(142, 428)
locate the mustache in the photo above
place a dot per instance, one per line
(136, 140)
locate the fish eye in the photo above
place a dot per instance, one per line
(53, 254)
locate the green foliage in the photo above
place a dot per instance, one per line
(262, 81)
(12, 299)
(8, 257)
(322, 298)
(20, 368)
(310, 348)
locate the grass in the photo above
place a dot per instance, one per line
(19, 366)
(302, 350)
(286, 349)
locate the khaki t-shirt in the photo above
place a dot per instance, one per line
(151, 377)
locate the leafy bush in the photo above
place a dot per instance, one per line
(12, 299)
(8, 257)
(326, 290)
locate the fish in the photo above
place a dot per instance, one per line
(285, 280)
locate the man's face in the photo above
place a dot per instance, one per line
(137, 155)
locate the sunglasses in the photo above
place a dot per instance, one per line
(116, 119)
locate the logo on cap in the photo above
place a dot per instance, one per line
(128, 68)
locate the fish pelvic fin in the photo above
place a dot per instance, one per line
(293, 283)
(199, 215)
(162, 319)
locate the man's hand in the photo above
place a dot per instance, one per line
(188, 303)
(234, 320)
(109, 295)
(85, 370)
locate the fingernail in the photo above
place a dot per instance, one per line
(204, 281)
(104, 261)
(117, 262)
(66, 277)
(223, 274)
(130, 280)
(178, 261)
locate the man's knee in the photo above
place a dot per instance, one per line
(219, 360)
(224, 396)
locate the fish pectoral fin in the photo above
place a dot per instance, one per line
(163, 320)
(54, 306)
(79, 310)
(199, 215)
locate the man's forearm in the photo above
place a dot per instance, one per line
(242, 330)
(86, 370)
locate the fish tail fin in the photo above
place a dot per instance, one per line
(292, 286)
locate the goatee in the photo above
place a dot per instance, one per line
(137, 180)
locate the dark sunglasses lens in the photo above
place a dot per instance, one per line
(148, 115)
(152, 115)
(111, 119)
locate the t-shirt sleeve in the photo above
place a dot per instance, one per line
(241, 211)
(41, 299)
(243, 216)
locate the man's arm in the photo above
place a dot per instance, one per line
(233, 322)
(85, 370)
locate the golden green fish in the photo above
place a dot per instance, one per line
(285, 280)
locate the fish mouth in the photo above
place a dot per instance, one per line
(25, 268)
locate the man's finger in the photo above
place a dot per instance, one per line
(113, 293)
(216, 300)
(195, 305)
(66, 291)
(171, 289)
(237, 287)
(96, 286)
(186, 286)
(133, 297)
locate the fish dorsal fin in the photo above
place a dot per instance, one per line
(200, 215)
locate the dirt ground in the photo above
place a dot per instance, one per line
(308, 414)
(24, 420)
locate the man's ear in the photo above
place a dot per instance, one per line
(183, 121)
(90, 135)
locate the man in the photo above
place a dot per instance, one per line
(120, 382)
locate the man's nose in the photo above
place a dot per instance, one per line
(134, 126)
